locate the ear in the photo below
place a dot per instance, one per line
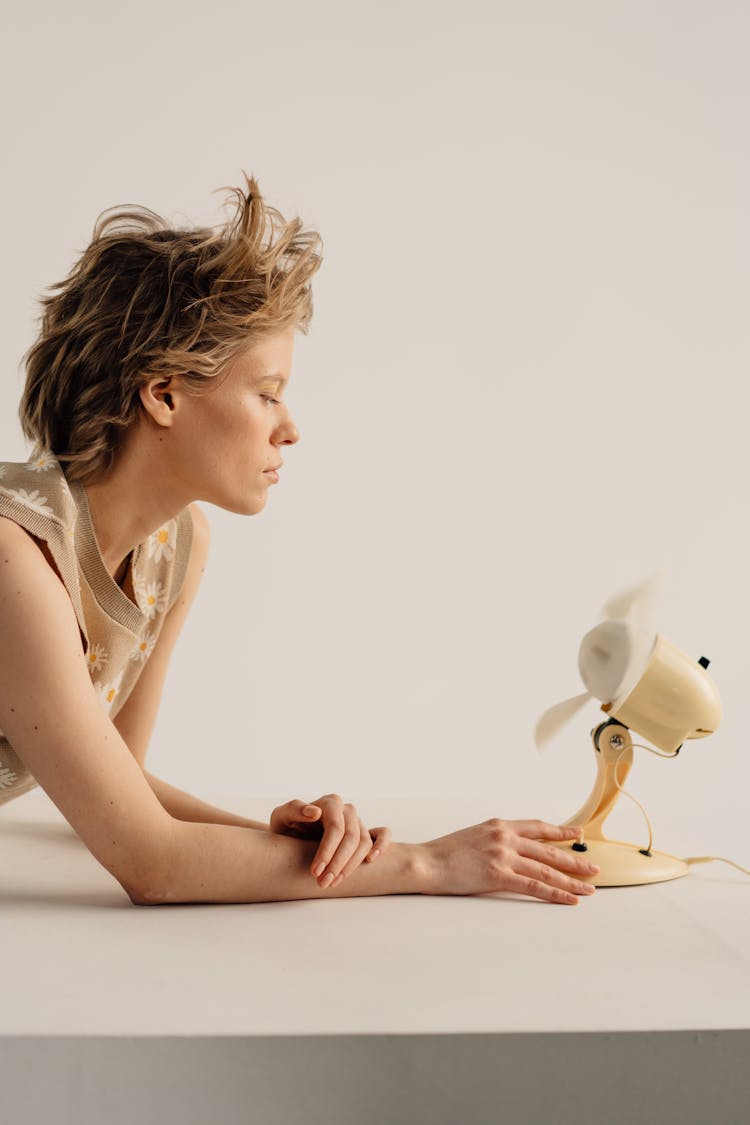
(157, 397)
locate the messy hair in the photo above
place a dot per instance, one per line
(145, 300)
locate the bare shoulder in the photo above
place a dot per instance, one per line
(11, 533)
(18, 543)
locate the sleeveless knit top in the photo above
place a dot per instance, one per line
(117, 635)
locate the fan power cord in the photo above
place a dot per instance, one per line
(689, 859)
(710, 858)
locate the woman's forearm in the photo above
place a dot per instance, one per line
(183, 806)
(222, 863)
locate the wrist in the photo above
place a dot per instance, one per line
(400, 870)
(424, 869)
(414, 863)
(403, 869)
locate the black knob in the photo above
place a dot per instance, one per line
(704, 661)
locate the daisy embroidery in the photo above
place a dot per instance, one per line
(142, 651)
(96, 658)
(161, 543)
(151, 598)
(31, 500)
(40, 461)
(108, 692)
(7, 777)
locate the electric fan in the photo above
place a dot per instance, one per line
(647, 685)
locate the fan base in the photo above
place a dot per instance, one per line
(624, 865)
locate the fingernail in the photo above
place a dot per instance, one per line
(375, 854)
(319, 870)
(328, 880)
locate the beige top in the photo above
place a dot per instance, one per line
(117, 634)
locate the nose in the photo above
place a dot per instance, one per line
(287, 432)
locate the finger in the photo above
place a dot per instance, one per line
(294, 811)
(346, 844)
(541, 874)
(302, 820)
(558, 857)
(522, 885)
(542, 830)
(348, 847)
(381, 838)
(365, 844)
(334, 822)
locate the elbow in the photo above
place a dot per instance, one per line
(146, 883)
(135, 894)
(149, 897)
(139, 891)
(147, 892)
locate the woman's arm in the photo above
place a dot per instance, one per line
(219, 863)
(216, 863)
(55, 723)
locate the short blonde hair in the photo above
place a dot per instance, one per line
(147, 300)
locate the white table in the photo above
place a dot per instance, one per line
(406, 1008)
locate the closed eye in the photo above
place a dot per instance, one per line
(273, 400)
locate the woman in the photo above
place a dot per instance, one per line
(163, 360)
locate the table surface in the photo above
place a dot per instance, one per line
(78, 958)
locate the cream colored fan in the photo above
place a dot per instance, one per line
(646, 684)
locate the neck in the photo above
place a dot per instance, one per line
(128, 505)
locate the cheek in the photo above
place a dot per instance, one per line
(233, 424)
(244, 439)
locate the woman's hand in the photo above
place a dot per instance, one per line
(508, 855)
(344, 840)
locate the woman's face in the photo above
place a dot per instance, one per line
(223, 441)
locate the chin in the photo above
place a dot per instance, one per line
(246, 506)
(247, 501)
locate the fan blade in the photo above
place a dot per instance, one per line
(637, 603)
(556, 717)
(613, 656)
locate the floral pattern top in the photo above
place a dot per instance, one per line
(117, 634)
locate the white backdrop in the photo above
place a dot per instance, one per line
(525, 384)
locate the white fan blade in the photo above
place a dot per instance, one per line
(613, 656)
(556, 717)
(637, 603)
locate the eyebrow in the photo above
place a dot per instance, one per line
(275, 376)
